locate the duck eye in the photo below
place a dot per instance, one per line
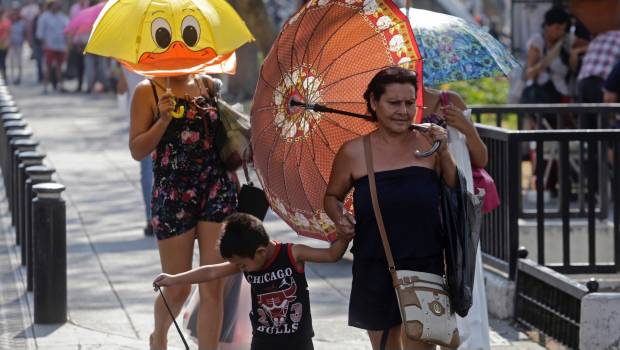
(160, 30)
(191, 30)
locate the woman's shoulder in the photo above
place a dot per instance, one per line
(145, 83)
(352, 147)
(144, 91)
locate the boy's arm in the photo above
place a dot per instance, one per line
(303, 253)
(197, 275)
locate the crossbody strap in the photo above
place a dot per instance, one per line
(377, 210)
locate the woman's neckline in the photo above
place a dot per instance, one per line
(396, 170)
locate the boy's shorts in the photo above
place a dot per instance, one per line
(52, 57)
(260, 344)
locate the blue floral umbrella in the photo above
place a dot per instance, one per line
(454, 49)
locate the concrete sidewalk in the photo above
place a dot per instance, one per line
(110, 262)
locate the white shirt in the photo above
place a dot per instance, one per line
(29, 12)
(50, 29)
(556, 71)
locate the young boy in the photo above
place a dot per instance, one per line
(280, 304)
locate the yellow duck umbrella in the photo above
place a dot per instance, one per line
(169, 37)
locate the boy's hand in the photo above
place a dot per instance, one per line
(163, 280)
(345, 226)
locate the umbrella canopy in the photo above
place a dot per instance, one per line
(454, 49)
(83, 21)
(172, 37)
(325, 55)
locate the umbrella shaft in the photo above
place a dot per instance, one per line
(322, 108)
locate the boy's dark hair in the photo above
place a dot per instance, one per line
(557, 15)
(384, 77)
(242, 235)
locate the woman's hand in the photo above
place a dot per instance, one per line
(164, 280)
(455, 117)
(345, 226)
(437, 133)
(166, 105)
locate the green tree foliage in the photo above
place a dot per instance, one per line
(481, 92)
(488, 91)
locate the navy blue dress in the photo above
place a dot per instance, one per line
(409, 203)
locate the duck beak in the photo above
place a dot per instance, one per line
(177, 54)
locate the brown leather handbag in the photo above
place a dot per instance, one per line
(422, 297)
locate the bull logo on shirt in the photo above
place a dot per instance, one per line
(275, 305)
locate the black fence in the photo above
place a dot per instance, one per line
(557, 116)
(549, 302)
(584, 160)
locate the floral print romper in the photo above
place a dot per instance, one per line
(191, 183)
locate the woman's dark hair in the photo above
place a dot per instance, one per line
(387, 76)
(242, 235)
(556, 15)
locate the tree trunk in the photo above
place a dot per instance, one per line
(261, 25)
(240, 87)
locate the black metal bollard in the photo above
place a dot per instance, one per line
(8, 104)
(13, 125)
(7, 108)
(12, 136)
(7, 124)
(6, 100)
(50, 254)
(25, 159)
(19, 145)
(10, 116)
(36, 174)
(12, 174)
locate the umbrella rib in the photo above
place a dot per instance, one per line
(260, 133)
(262, 78)
(316, 167)
(301, 152)
(335, 123)
(320, 54)
(328, 67)
(288, 199)
(351, 76)
(277, 58)
(314, 30)
(293, 49)
(324, 139)
(491, 53)
(286, 156)
(269, 166)
(314, 158)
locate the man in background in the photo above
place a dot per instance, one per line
(50, 30)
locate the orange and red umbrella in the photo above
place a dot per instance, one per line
(315, 74)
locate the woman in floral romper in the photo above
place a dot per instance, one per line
(192, 191)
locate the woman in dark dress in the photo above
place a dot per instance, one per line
(408, 191)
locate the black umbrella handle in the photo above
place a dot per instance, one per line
(434, 147)
(322, 108)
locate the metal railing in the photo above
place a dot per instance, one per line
(500, 229)
(562, 116)
(549, 302)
